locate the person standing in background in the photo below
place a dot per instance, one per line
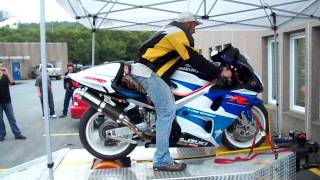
(38, 85)
(67, 84)
(6, 106)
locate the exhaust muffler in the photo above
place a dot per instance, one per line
(109, 110)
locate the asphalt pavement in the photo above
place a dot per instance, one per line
(27, 109)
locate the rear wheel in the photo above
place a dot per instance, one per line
(92, 128)
(240, 134)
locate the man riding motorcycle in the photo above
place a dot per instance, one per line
(159, 57)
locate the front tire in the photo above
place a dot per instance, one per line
(91, 128)
(236, 137)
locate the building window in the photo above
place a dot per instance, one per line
(297, 72)
(272, 70)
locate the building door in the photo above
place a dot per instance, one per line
(16, 71)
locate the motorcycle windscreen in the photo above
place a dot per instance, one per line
(246, 77)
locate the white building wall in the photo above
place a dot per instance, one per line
(254, 45)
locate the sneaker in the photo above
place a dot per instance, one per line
(1, 138)
(171, 167)
(21, 137)
(62, 116)
(53, 116)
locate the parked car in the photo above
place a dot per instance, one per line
(81, 67)
(85, 67)
(53, 72)
(78, 107)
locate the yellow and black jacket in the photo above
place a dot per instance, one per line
(171, 46)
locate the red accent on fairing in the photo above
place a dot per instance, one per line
(95, 79)
(239, 100)
(197, 90)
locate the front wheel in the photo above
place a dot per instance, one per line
(240, 134)
(92, 128)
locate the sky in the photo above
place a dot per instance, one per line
(27, 11)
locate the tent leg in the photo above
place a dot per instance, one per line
(93, 47)
(278, 126)
(44, 87)
(308, 111)
(275, 57)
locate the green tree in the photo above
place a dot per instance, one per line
(110, 45)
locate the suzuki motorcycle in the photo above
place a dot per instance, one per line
(224, 112)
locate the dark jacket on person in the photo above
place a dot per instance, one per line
(169, 48)
(4, 90)
(67, 82)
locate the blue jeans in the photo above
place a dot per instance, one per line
(67, 98)
(164, 103)
(7, 108)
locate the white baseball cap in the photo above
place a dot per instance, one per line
(187, 17)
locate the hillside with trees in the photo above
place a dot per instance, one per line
(110, 45)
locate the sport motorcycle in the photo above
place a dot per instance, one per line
(224, 112)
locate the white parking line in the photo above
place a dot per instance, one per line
(63, 134)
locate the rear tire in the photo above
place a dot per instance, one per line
(92, 141)
(233, 141)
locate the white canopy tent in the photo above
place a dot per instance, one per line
(216, 15)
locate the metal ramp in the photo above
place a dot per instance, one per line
(77, 163)
(35, 169)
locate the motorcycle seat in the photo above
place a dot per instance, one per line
(126, 86)
(129, 93)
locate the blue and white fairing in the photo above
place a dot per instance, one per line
(187, 80)
(195, 115)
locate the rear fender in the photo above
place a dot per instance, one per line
(99, 78)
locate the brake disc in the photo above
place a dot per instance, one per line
(244, 132)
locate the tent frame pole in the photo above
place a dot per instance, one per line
(93, 40)
(275, 57)
(147, 6)
(308, 111)
(93, 47)
(275, 9)
(44, 77)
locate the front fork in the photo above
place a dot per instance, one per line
(249, 116)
